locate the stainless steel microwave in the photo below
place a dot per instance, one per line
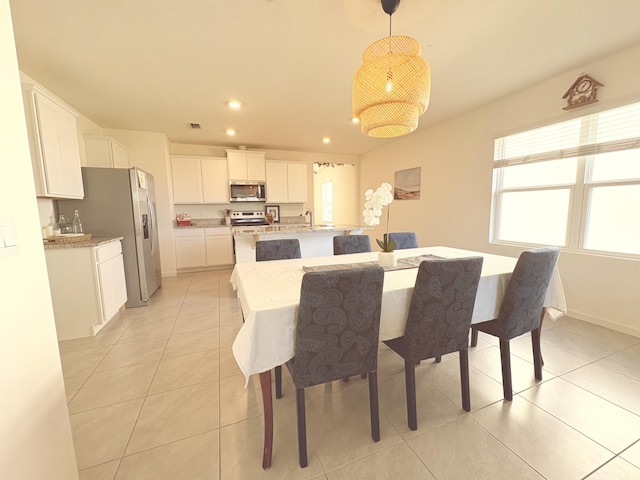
(249, 191)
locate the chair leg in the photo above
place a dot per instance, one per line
(438, 359)
(474, 336)
(464, 379)
(302, 428)
(278, 371)
(410, 383)
(373, 406)
(542, 313)
(505, 358)
(537, 353)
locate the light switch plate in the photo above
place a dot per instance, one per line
(8, 237)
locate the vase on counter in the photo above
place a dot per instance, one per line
(387, 259)
(227, 220)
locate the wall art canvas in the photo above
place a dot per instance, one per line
(406, 184)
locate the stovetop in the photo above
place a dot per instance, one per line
(250, 218)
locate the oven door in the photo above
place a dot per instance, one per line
(247, 192)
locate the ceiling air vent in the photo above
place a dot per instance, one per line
(194, 125)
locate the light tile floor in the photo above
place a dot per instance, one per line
(157, 395)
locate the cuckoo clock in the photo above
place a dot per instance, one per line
(582, 92)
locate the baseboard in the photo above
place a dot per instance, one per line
(585, 317)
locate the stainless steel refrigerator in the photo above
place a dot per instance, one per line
(121, 202)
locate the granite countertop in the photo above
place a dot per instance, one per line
(202, 223)
(272, 229)
(93, 242)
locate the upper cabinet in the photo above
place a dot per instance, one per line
(105, 152)
(246, 165)
(286, 182)
(53, 140)
(199, 180)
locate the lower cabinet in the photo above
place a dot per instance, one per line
(219, 243)
(190, 248)
(203, 247)
(88, 287)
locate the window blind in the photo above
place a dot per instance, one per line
(604, 132)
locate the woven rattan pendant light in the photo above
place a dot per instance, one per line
(391, 88)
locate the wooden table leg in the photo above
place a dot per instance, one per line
(265, 385)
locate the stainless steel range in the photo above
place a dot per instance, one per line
(248, 219)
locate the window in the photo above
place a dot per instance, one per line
(327, 202)
(573, 184)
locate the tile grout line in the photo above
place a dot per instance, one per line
(135, 423)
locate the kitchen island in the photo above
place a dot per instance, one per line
(315, 241)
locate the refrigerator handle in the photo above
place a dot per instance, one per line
(152, 216)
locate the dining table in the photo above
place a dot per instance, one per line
(269, 294)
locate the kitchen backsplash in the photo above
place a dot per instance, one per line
(215, 221)
(289, 213)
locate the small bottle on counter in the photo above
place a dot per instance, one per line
(77, 223)
(63, 225)
(50, 227)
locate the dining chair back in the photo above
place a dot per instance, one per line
(404, 240)
(277, 249)
(343, 244)
(521, 309)
(438, 321)
(336, 336)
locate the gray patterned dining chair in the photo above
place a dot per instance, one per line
(343, 244)
(404, 240)
(277, 249)
(336, 336)
(521, 309)
(438, 322)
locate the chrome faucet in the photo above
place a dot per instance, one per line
(310, 213)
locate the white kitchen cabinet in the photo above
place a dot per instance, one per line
(105, 152)
(199, 180)
(277, 191)
(88, 287)
(203, 247)
(286, 182)
(186, 173)
(190, 248)
(219, 244)
(215, 180)
(53, 141)
(246, 165)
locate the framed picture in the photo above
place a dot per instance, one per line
(407, 184)
(274, 211)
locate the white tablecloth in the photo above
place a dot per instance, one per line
(269, 293)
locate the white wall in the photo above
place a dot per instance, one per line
(455, 204)
(34, 431)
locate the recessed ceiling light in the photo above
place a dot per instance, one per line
(234, 104)
(231, 132)
(355, 120)
(326, 140)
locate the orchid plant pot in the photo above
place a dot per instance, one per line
(387, 259)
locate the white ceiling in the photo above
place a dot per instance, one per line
(156, 65)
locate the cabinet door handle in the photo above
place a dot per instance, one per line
(152, 216)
